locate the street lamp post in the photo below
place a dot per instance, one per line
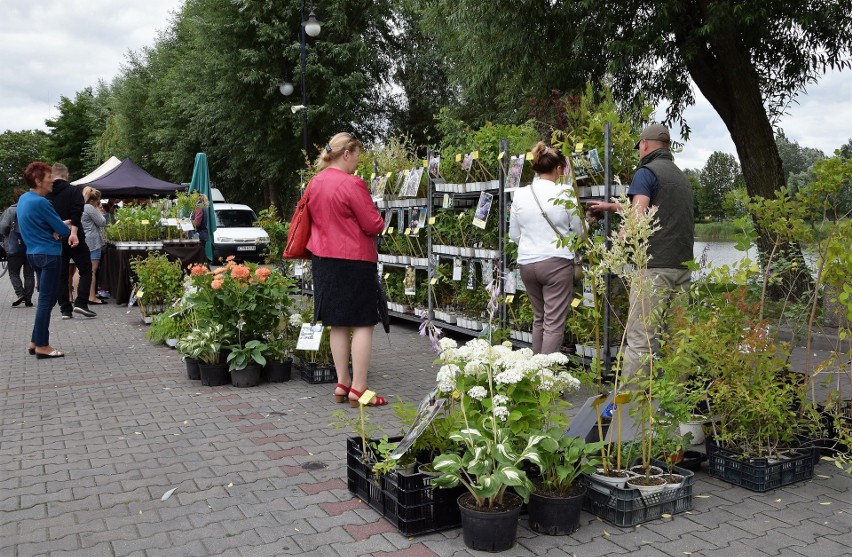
(310, 27)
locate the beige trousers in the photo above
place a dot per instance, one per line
(653, 295)
(550, 287)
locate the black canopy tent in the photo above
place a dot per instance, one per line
(129, 180)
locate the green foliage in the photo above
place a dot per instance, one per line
(72, 131)
(205, 344)
(167, 326)
(159, 280)
(720, 175)
(252, 352)
(17, 150)
(270, 221)
(562, 459)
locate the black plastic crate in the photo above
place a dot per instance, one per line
(408, 501)
(628, 507)
(317, 373)
(758, 474)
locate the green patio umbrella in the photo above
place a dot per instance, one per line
(201, 183)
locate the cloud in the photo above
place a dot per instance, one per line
(52, 49)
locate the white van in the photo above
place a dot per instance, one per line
(236, 233)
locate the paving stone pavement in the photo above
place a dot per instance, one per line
(91, 442)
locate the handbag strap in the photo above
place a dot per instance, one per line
(537, 202)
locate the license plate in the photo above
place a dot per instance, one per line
(246, 248)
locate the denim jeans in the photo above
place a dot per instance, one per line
(47, 268)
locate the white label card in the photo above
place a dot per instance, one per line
(309, 337)
(457, 268)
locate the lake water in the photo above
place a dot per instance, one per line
(721, 253)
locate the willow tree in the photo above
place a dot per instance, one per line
(749, 59)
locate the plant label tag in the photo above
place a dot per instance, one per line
(145, 222)
(576, 302)
(510, 285)
(309, 337)
(458, 157)
(380, 267)
(483, 207)
(186, 225)
(366, 397)
(298, 269)
(529, 156)
(431, 220)
(409, 282)
(433, 281)
(578, 148)
(447, 202)
(487, 268)
(471, 276)
(457, 268)
(510, 298)
(519, 284)
(501, 155)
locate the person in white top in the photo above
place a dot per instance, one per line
(536, 224)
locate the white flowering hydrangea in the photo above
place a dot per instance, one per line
(501, 412)
(295, 320)
(446, 343)
(500, 400)
(447, 378)
(477, 392)
(474, 368)
(508, 377)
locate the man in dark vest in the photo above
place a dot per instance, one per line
(68, 202)
(657, 182)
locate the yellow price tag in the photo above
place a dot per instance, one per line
(367, 397)
(500, 156)
(372, 176)
(405, 172)
(474, 155)
(578, 148)
(387, 276)
(144, 221)
(458, 157)
(388, 175)
(529, 156)
(407, 231)
(390, 229)
(140, 293)
(575, 302)
(432, 220)
(425, 163)
(510, 298)
(433, 281)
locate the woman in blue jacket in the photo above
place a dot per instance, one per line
(43, 231)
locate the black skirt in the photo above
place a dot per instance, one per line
(345, 292)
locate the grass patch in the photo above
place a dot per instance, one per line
(724, 231)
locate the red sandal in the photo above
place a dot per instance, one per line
(376, 401)
(340, 399)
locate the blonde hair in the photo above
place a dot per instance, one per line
(203, 200)
(59, 170)
(545, 159)
(90, 194)
(335, 148)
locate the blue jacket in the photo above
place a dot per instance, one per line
(37, 221)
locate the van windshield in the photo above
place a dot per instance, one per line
(235, 218)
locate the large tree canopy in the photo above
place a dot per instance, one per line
(17, 150)
(749, 59)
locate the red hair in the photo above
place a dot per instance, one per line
(35, 172)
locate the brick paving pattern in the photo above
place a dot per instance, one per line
(91, 442)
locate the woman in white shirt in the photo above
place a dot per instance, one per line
(547, 270)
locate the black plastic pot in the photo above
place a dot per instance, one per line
(192, 370)
(214, 375)
(277, 372)
(555, 516)
(490, 531)
(246, 377)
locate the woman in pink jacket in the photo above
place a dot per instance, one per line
(344, 226)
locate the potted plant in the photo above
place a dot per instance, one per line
(245, 363)
(205, 345)
(159, 282)
(279, 358)
(555, 504)
(489, 381)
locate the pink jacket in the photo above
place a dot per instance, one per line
(344, 221)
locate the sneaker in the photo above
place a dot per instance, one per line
(68, 315)
(84, 311)
(606, 413)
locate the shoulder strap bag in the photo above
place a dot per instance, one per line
(300, 230)
(578, 262)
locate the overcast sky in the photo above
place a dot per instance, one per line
(53, 48)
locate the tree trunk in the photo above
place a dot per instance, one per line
(724, 72)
